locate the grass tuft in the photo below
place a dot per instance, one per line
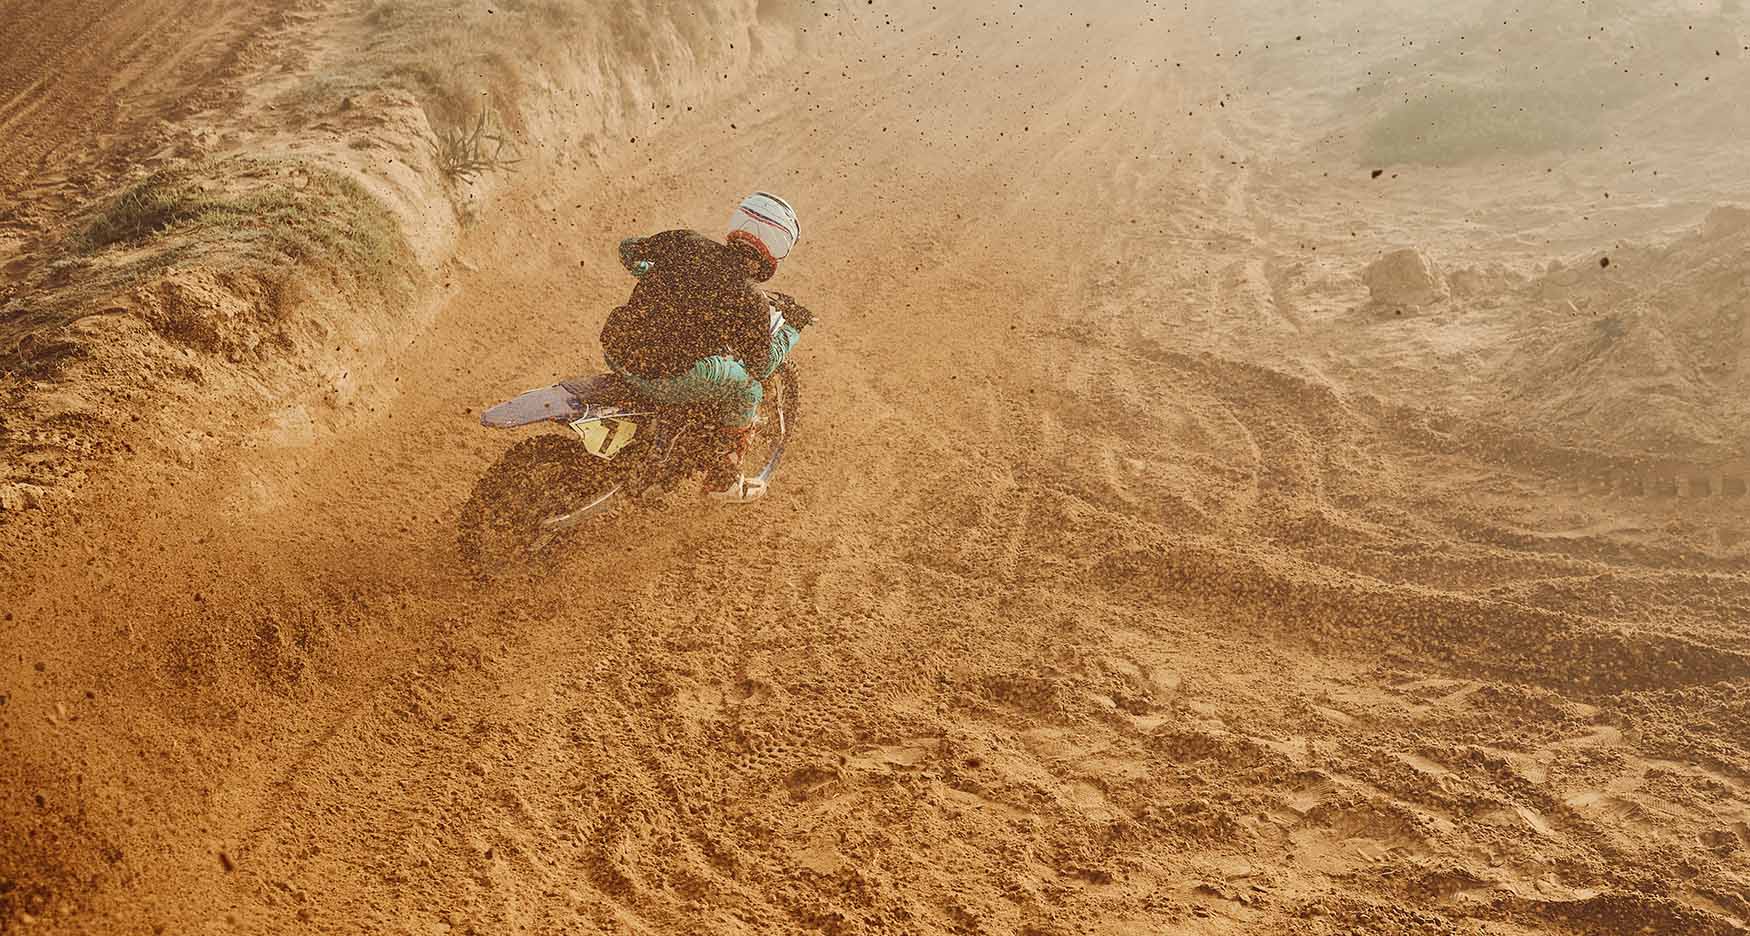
(161, 201)
(265, 211)
(463, 154)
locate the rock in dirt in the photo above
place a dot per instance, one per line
(20, 497)
(1404, 279)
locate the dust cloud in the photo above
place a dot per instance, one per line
(1275, 467)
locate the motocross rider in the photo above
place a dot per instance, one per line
(698, 329)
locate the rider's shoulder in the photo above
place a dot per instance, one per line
(683, 243)
(677, 237)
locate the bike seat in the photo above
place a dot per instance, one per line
(603, 390)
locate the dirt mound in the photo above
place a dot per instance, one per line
(236, 286)
(1647, 348)
(1404, 279)
(326, 172)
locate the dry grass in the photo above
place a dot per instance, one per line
(260, 210)
(463, 154)
(263, 230)
(150, 207)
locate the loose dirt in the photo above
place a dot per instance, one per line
(1136, 570)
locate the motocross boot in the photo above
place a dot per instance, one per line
(724, 480)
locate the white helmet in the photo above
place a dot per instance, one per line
(766, 223)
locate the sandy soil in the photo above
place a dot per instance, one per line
(1139, 571)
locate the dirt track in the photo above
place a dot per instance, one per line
(1115, 587)
(89, 85)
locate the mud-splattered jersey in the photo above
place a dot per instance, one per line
(694, 299)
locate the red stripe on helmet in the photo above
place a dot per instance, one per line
(762, 218)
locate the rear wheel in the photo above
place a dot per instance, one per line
(538, 479)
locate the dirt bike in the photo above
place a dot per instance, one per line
(615, 448)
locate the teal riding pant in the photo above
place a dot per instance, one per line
(717, 379)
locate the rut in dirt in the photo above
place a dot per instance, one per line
(1126, 574)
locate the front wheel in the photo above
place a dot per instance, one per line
(506, 521)
(781, 403)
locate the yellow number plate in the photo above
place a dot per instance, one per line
(605, 437)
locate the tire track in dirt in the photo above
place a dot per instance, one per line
(1053, 625)
(87, 85)
(853, 750)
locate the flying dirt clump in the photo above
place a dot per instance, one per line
(1404, 279)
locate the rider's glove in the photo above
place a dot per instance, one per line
(628, 257)
(792, 310)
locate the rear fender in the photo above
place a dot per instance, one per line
(563, 402)
(547, 404)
